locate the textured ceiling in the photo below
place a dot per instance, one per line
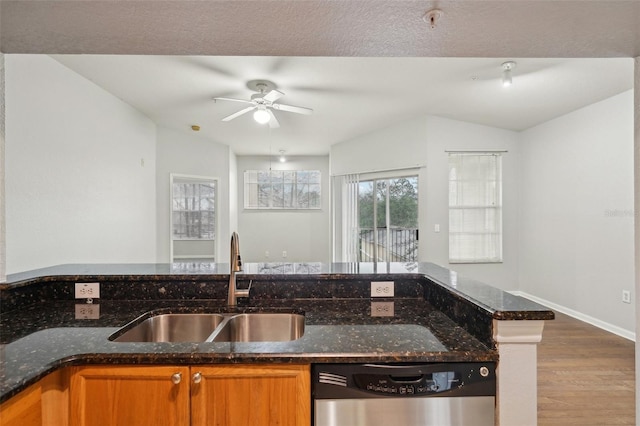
(468, 28)
(342, 28)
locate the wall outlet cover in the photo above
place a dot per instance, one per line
(382, 288)
(382, 309)
(87, 290)
(87, 311)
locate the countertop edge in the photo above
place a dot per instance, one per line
(152, 359)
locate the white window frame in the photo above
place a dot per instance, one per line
(248, 190)
(487, 225)
(177, 177)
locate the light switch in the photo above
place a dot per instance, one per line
(436, 227)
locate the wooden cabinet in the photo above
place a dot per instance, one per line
(24, 409)
(256, 395)
(44, 403)
(132, 396)
(226, 395)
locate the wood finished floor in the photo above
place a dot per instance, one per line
(586, 376)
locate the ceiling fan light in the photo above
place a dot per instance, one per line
(261, 116)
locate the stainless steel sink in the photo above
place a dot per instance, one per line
(189, 327)
(260, 327)
(171, 328)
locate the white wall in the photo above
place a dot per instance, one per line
(191, 154)
(423, 141)
(445, 134)
(305, 234)
(577, 218)
(76, 189)
(636, 145)
(3, 253)
(395, 147)
(233, 192)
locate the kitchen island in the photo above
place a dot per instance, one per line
(433, 316)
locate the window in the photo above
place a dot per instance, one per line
(193, 217)
(282, 189)
(475, 207)
(388, 219)
(194, 210)
(376, 217)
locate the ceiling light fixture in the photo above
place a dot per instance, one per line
(507, 67)
(282, 157)
(261, 115)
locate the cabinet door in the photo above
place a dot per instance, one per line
(24, 409)
(131, 396)
(256, 395)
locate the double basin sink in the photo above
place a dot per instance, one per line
(213, 327)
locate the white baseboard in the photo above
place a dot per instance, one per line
(630, 335)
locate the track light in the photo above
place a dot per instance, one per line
(261, 115)
(282, 157)
(507, 67)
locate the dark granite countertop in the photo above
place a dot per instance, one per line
(437, 316)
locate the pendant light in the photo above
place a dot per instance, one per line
(507, 78)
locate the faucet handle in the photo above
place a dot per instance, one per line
(245, 291)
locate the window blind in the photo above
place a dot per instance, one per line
(475, 207)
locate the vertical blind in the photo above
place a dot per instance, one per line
(475, 207)
(350, 225)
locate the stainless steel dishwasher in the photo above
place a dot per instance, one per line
(460, 394)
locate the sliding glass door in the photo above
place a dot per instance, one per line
(388, 219)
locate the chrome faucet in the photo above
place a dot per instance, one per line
(235, 265)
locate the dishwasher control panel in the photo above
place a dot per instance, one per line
(408, 385)
(403, 380)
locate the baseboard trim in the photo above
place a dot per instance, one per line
(630, 335)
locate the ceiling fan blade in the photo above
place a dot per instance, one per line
(291, 108)
(273, 123)
(273, 96)
(239, 113)
(232, 99)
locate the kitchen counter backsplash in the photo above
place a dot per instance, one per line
(470, 303)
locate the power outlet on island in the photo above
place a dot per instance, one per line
(382, 288)
(382, 309)
(87, 290)
(87, 311)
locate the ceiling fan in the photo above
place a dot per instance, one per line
(263, 103)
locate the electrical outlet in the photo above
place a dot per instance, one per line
(87, 311)
(381, 288)
(626, 296)
(284, 253)
(266, 254)
(87, 290)
(382, 309)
